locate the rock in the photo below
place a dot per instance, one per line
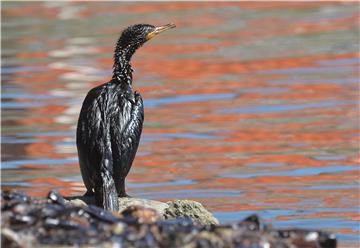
(126, 202)
(170, 210)
(141, 214)
(78, 202)
(191, 209)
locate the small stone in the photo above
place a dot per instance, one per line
(141, 214)
(78, 202)
(55, 197)
(119, 228)
(20, 209)
(125, 202)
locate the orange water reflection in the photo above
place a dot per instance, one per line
(250, 108)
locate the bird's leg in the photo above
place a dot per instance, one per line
(120, 187)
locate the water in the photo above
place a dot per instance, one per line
(250, 107)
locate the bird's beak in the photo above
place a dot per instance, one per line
(159, 30)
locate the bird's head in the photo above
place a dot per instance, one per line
(135, 36)
(131, 39)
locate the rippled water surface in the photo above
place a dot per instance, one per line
(250, 107)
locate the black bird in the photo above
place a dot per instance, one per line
(110, 123)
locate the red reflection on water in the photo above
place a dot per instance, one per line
(199, 58)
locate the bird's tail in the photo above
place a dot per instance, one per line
(106, 195)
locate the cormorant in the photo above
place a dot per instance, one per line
(110, 123)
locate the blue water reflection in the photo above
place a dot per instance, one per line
(252, 108)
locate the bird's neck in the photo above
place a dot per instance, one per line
(122, 68)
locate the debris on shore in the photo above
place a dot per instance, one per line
(56, 222)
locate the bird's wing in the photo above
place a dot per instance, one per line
(94, 147)
(125, 136)
(91, 135)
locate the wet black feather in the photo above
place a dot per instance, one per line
(110, 125)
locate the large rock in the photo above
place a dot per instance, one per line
(170, 210)
(191, 209)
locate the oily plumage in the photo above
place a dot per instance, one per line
(110, 123)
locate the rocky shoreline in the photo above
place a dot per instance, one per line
(75, 222)
(169, 210)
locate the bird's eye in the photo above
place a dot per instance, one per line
(137, 33)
